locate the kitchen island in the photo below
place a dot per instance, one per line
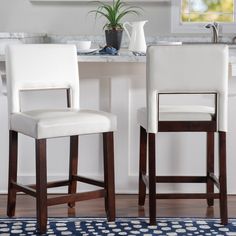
(117, 84)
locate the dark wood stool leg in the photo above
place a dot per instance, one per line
(41, 185)
(222, 178)
(108, 147)
(11, 202)
(152, 178)
(142, 166)
(73, 166)
(210, 166)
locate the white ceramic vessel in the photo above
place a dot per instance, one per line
(137, 38)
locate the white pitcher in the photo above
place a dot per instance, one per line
(137, 38)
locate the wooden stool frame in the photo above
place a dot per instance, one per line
(39, 191)
(150, 180)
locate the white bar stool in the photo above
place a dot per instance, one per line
(187, 69)
(38, 67)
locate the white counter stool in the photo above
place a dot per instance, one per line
(34, 67)
(188, 69)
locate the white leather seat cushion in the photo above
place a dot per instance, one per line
(179, 113)
(62, 122)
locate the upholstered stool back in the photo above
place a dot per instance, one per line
(62, 72)
(187, 69)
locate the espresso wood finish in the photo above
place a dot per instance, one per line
(13, 142)
(26, 189)
(39, 191)
(210, 166)
(152, 177)
(41, 185)
(142, 166)
(222, 178)
(89, 181)
(108, 148)
(54, 184)
(181, 179)
(209, 127)
(75, 197)
(187, 126)
(187, 196)
(73, 165)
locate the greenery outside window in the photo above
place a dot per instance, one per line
(192, 15)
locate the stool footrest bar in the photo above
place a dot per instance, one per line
(181, 179)
(187, 196)
(89, 181)
(75, 197)
(24, 188)
(215, 180)
(54, 184)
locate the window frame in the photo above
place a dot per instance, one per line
(178, 27)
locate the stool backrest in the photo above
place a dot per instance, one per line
(41, 66)
(187, 69)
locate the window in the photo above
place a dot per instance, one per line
(207, 11)
(192, 15)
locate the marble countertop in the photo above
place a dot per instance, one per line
(124, 56)
(20, 35)
(97, 41)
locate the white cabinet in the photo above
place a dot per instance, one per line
(117, 84)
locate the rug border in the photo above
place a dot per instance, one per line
(117, 218)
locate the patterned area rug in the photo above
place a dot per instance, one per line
(122, 226)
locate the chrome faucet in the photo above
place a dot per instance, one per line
(215, 31)
(234, 40)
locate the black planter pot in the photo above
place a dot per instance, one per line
(113, 38)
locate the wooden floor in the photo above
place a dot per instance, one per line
(126, 205)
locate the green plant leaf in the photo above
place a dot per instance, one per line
(125, 12)
(114, 12)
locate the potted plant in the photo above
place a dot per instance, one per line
(114, 13)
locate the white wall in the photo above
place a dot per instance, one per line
(72, 18)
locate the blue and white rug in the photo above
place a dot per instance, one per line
(122, 226)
